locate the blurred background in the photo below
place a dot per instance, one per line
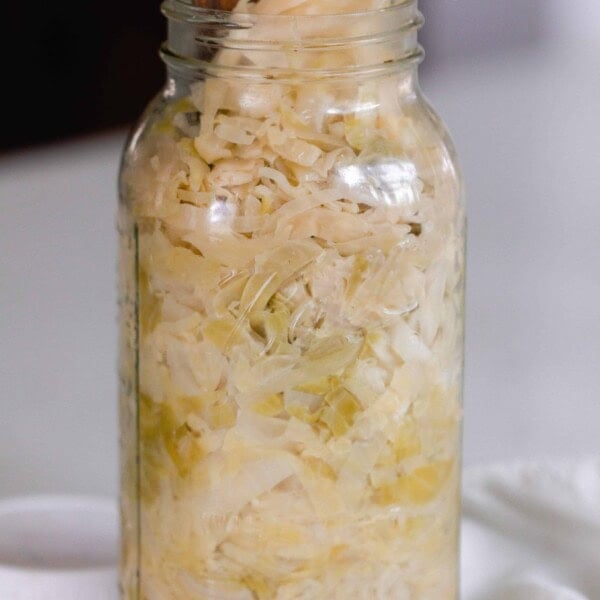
(518, 83)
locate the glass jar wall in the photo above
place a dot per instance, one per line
(292, 258)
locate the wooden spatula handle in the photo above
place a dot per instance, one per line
(217, 4)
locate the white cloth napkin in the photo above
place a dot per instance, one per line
(532, 532)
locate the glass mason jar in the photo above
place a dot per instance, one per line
(292, 257)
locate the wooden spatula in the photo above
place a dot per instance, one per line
(217, 4)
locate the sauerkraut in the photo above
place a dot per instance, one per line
(292, 343)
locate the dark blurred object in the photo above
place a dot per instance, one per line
(75, 67)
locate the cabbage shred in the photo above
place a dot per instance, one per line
(299, 293)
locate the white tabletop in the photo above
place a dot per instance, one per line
(528, 130)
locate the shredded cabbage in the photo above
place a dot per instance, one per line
(299, 296)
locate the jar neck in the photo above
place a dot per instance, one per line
(295, 47)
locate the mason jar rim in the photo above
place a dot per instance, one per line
(196, 32)
(187, 10)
